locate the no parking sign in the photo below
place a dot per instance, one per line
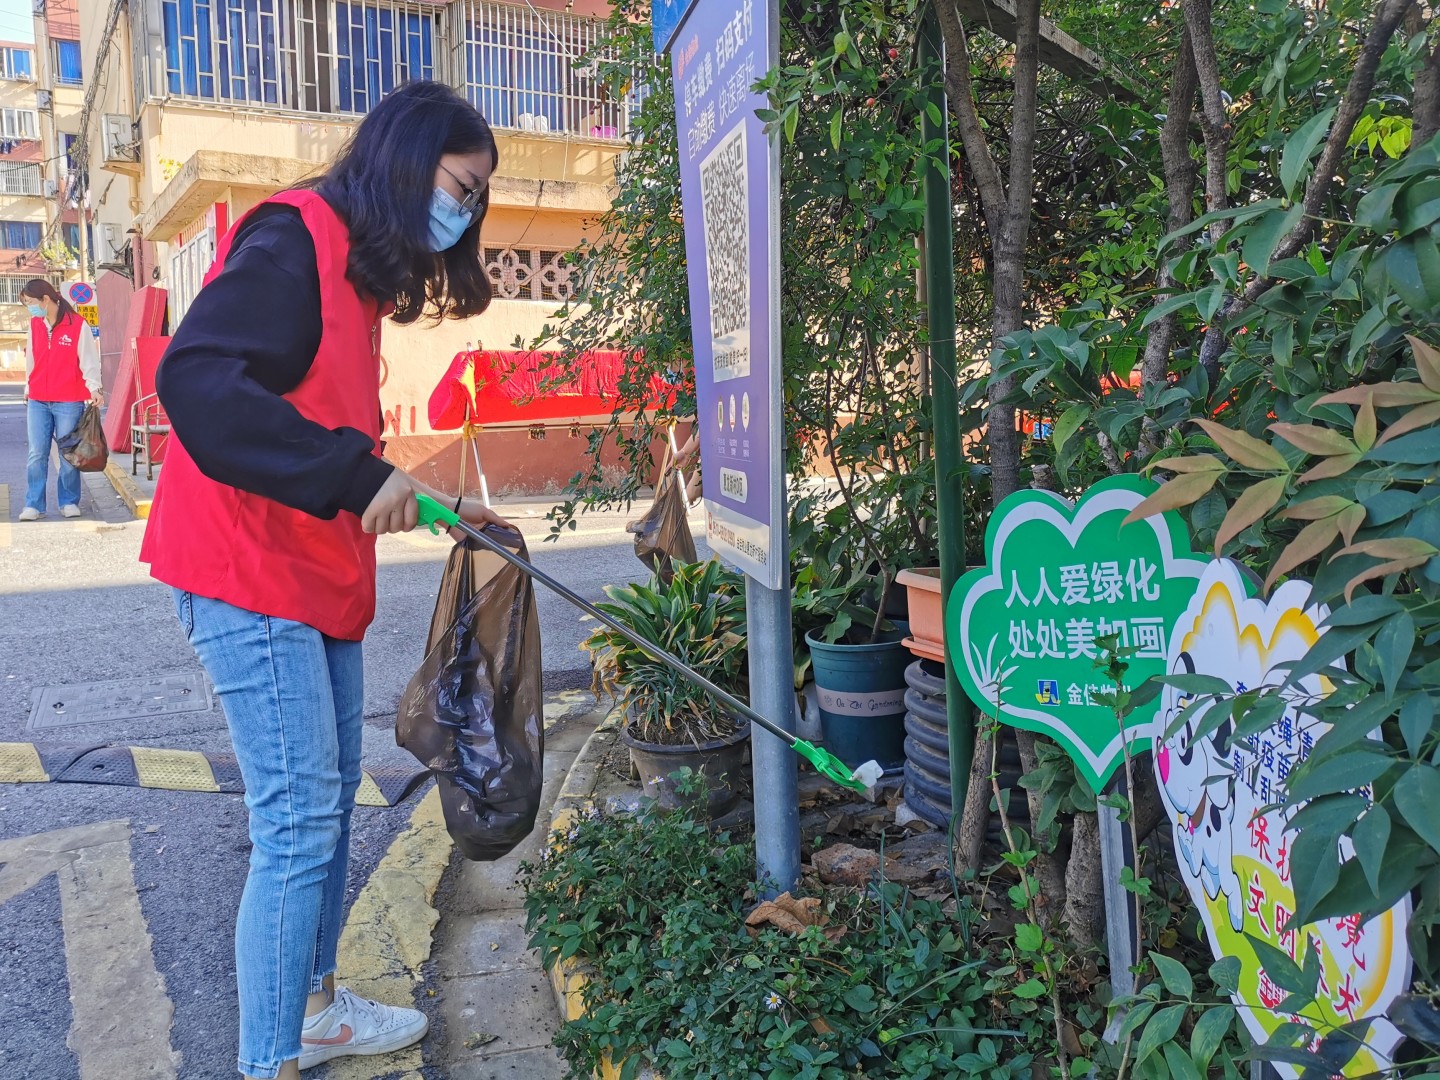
(81, 295)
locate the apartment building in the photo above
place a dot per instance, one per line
(22, 204)
(196, 110)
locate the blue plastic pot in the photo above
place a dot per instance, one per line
(862, 698)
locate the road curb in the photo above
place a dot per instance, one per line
(567, 978)
(128, 490)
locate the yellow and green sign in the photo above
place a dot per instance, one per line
(1225, 797)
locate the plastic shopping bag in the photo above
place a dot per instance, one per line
(662, 535)
(473, 713)
(85, 446)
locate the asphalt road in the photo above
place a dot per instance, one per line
(77, 607)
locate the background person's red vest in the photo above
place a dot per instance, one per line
(56, 375)
(253, 552)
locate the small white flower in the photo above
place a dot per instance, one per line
(773, 1001)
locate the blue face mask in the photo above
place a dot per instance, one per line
(448, 221)
(36, 311)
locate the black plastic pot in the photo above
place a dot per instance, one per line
(720, 761)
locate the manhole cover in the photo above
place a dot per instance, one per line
(119, 699)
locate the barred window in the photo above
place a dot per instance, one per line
(310, 55)
(11, 284)
(534, 71)
(20, 178)
(529, 274)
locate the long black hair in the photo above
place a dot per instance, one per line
(381, 185)
(40, 289)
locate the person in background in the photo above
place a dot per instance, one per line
(265, 516)
(62, 375)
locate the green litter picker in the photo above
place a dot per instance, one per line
(827, 764)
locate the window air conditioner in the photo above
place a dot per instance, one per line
(43, 100)
(51, 189)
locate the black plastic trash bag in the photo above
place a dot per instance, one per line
(474, 711)
(662, 534)
(85, 446)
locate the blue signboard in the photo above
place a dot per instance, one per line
(665, 19)
(729, 183)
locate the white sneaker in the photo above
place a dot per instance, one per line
(30, 514)
(71, 511)
(352, 1025)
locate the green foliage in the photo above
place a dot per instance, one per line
(882, 984)
(847, 103)
(699, 617)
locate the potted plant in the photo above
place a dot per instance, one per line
(858, 660)
(670, 723)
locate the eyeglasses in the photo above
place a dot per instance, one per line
(474, 197)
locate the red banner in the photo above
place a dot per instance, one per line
(517, 387)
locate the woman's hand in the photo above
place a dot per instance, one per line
(98, 399)
(477, 513)
(393, 509)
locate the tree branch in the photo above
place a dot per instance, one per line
(1213, 118)
(1357, 96)
(960, 89)
(1426, 108)
(1180, 194)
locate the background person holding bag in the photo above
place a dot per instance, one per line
(265, 517)
(62, 376)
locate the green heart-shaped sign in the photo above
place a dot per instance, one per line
(1022, 630)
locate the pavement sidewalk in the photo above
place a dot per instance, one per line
(498, 1015)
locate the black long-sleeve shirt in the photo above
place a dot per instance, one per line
(249, 337)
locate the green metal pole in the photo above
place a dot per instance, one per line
(939, 269)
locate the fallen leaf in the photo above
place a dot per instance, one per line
(478, 1039)
(793, 916)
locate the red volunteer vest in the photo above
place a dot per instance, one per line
(252, 552)
(56, 376)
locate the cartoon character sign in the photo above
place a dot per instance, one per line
(1223, 797)
(1199, 786)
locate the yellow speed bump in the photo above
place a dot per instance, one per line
(172, 770)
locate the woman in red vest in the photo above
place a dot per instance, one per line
(62, 374)
(265, 518)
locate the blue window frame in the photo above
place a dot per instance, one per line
(377, 49)
(19, 235)
(68, 67)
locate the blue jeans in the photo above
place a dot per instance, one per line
(294, 700)
(45, 422)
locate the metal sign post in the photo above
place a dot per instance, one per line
(730, 191)
(1122, 911)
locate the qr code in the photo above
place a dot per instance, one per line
(724, 195)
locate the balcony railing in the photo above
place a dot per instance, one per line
(524, 69)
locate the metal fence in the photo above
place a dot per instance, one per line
(534, 70)
(525, 69)
(20, 178)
